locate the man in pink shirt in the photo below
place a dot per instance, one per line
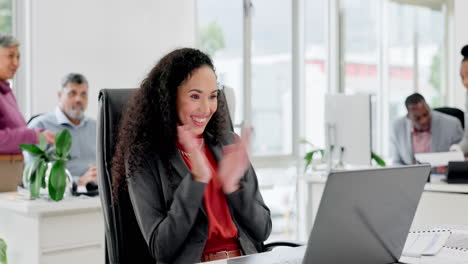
(13, 130)
(422, 130)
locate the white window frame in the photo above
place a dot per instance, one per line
(336, 66)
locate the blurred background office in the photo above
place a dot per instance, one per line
(280, 57)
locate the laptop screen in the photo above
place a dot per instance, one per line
(365, 215)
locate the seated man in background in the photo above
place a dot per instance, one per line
(422, 130)
(69, 114)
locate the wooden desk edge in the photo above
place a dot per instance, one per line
(11, 157)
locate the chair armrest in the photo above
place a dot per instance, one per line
(272, 245)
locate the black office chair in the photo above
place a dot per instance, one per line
(32, 117)
(453, 112)
(124, 240)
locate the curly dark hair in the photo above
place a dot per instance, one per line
(149, 122)
(464, 53)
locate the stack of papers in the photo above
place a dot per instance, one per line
(427, 247)
(425, 243)
(437, 159)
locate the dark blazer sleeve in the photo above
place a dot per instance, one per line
(249, 209)
(164, 228)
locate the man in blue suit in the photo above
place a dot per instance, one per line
(422, 130)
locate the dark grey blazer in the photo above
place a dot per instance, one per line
(172, 216)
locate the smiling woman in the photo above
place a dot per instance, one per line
(197, 99)
(190, 182)
(13, 130)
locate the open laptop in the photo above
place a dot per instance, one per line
(364, 217)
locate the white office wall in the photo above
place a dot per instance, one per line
(113, 43)
(460, 39)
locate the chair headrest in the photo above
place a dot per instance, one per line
(112, 102)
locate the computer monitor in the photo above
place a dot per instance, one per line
(348, 129)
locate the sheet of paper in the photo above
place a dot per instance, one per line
(425, 243)
(458, 239)
(439, 158)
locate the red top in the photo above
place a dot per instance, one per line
(222, 232)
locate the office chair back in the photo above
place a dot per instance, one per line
(33, 117)
(453, 112)
(124, 240)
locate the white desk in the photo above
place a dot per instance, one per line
(295, 255)
(441, 203)
(41, 231)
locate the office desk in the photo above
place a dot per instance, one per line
(44, 231)
(276, 256)
(448, 254)
(441, 203)
(295, 255)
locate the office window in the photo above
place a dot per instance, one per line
(272, 108)
(411, 42)
(270, 91)
(315, 70)
(401, 58)
(430, 29)
(359, 34)
(380, 54)
(271, 77)
(220, 34)
(415, 55)
(359, 20)
(6, 16)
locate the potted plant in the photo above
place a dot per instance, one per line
(309, 156)
(48, 170)
(378, 160)
(3, 248)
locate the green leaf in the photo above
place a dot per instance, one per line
(52, 191)
(378, 160)
(43, 177)
(57, 180)
(40, 174)
(32, 149)
(308, 158)
(42, 142)
(305, 141)
(27, 172)
(35, 185)
(3, 251)
(63, 141)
